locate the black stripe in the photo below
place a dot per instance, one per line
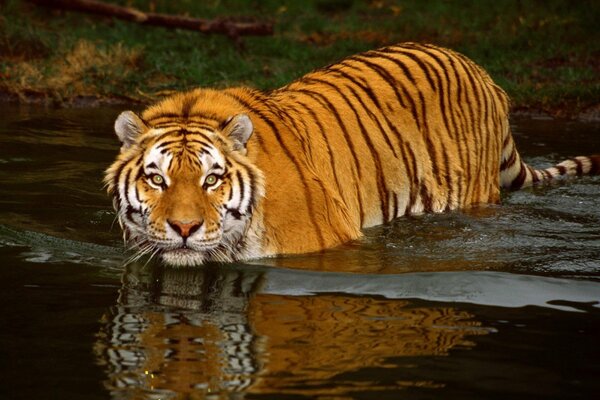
(475, 72)
(383, 53)
(291, 157)
(190, 136)
(178, 124)
(461, 131)
(403, 145)
(201, 144)
(506, 141)
(367, 90)
(125, 196)
(117, 178)
(330, 153)
(234, 213)
(325, 103)
(163, 115)
(483, 101)
(332, 162)
(383, 73)
(188, 103)
(441, 95)
(204, 116)
(381, 183)
(168, 143)
(445, 95)
(454, 133)
(230, 189)
(261, 116)
(257, 113)
(140, 172)
(394, 85)
(534, 177)
(430, 147)
(417, 60)
(301, 133)
(520, 179)
(129, 211)
(305, 145)
(475, 130)
(137, 196)
(509, 161)
(242, 187)
(426, 198)
(488, 120)
(469, 125)
(253, 188)
(252, 179)
(415, 180)
(424, 128)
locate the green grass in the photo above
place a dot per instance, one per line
(546, 54)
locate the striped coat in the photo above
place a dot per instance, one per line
(401, 130)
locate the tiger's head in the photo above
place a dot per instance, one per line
(184, 190)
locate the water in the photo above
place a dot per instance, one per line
(495, 302)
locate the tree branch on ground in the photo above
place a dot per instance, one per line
(232, 28)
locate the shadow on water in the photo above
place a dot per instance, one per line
(493, 302)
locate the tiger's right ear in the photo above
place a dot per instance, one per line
(128, 127)
(238, 128)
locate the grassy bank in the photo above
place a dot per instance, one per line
(546, 54)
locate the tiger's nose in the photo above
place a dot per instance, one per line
(185, 229)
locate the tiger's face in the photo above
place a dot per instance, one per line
(184, 191)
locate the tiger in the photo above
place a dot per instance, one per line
(233, 174)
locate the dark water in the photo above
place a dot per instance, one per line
(498, 302)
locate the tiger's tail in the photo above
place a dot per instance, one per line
(515, 174)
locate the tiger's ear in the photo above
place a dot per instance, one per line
(239, 129)
(128, 127)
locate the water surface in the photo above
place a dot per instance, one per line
(493, 302)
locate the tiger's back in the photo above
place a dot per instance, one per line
(417, 128)
(401, 130)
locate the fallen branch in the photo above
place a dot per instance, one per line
(226, 26)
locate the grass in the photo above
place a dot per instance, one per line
(546, 54)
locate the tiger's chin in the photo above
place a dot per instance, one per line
(184, 257)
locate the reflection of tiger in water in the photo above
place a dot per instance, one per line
(192, 333)
(239, 173)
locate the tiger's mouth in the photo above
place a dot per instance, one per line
(189, 254)
(183, 256)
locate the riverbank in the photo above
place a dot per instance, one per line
(547, 58)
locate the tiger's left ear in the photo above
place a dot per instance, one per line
(239, 129)
(128, 127)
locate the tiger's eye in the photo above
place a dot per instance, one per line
(157, 179)
(210, 180)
